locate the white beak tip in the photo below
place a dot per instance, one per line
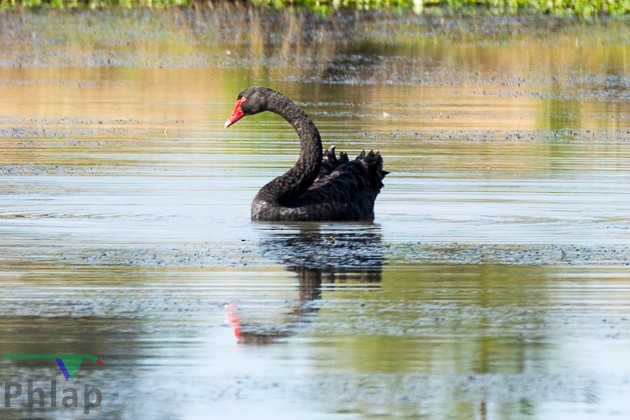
(227, 123)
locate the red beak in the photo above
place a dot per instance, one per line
(237, 113)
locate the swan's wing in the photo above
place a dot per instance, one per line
(367, 168)
(330, 162)
(347, 192)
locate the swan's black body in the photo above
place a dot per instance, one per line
(320, 186)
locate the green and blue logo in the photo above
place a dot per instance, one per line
(69, 364)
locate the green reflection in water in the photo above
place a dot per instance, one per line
(445, 319)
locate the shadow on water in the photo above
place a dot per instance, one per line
(322, 257)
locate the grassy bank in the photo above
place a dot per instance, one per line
(584, 8)
(580, 8)
(91, 4)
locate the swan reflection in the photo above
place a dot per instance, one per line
(323, 257)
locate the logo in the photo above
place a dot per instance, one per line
(69, 364)
(40, 396)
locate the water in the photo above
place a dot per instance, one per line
(493, 283)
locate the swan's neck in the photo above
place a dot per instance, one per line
(300, 177)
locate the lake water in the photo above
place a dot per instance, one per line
(494, 283)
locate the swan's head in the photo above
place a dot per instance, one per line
(250, 101)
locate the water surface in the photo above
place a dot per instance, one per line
(493, 283)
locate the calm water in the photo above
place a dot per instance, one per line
(494, 283)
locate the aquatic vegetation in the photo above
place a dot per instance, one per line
(580, 8)
(92, 4)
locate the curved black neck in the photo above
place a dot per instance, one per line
(301, 176)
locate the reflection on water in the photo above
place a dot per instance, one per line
(322, 258)
(329, 248)
(493, 284)
(506, 337)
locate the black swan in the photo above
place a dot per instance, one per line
(320, 186)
